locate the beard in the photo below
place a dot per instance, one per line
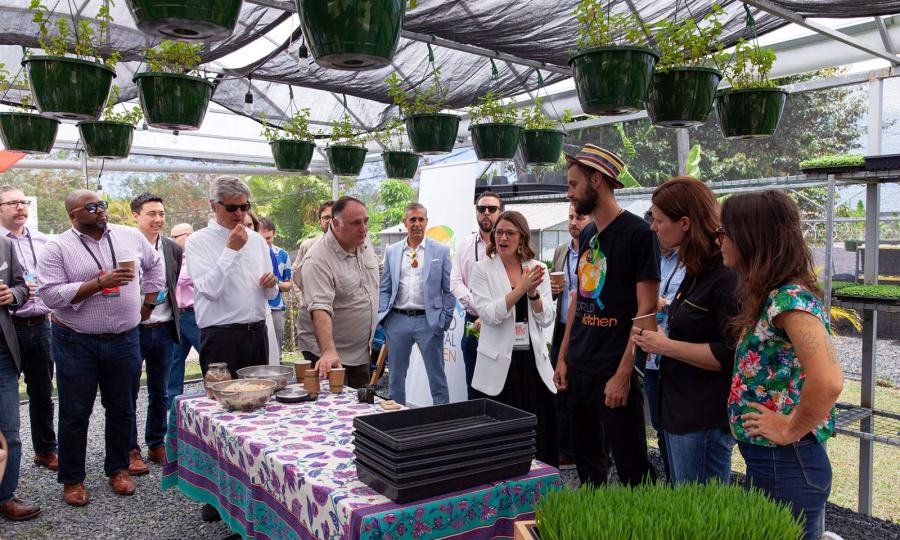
(589, 203)
(486, 225)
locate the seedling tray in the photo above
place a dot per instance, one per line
(524, 438)
(463, 459)
(834, 169)
(880, 163)
(440, 425)
(472, 476)
(414, 477)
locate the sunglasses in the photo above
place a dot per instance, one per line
(234, 207)
(720, 233)
(92, 207)
(491, 209)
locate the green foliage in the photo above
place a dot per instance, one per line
(20, 82)
(693, 161)
(492, 108)
(391, 137)
(395, 195)
(342, 132)
(295, 129)
(534, 117)
(291, 202)
(834, 160)
(657, 511)
(179, 57)
(431, 99)
(131, 116)
(687, 43)
(83, 37)
(749, 66)
(886, 292)
(601, 29)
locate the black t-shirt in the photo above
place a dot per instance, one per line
(610, 265)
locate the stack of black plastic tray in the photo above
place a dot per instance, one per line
(419, 453)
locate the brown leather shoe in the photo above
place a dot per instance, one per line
(17, 510)
(157, 455)
(75, 494)
(50, 461)
(122, 483)
(136, 465)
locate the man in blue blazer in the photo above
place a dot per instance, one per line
(416, 305)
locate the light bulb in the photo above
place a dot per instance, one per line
(248, 104)
(175, 137)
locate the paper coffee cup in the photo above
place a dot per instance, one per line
(126, 263)
(336, 380)
(559, 278)
(300, 369)
(311, 381)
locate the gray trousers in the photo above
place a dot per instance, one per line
(400, 332)
(278, 323)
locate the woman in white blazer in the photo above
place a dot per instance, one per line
(512, 295)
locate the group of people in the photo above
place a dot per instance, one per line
(720, 306)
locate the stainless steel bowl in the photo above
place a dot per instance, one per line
(280, 374)
(233, 397)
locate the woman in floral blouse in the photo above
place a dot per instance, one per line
(787, 376)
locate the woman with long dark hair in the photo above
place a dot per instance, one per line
(787, 377)
(697, 354)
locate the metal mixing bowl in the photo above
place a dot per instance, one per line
(280, 374)
(243, 400)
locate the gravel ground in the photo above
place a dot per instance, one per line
(887, 358)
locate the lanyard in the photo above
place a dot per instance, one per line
(477, 238)
(91, 253)
(669, 281)
(31, 245)
(570, 275)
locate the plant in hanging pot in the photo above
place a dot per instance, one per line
(430, 131)
(111, 136)
(398, 161)
(752, 107)
(22, 130)
(172, 95)
(346, 150)
(683, 87)
(494, 128)
(292, 145)
(611, 68)
(194, 20)
(71, 88)
(542, 139)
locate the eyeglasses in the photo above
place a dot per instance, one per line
(491, 209)
(92, 207)
(234, 207)
(720, 233)
(180, 235)
(14, 204)
(325, 218)
(500, 233)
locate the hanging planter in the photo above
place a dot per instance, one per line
(542, 146)
(398, 164)
(613, 80)
(432, 133)
(193, 20)
(751, 113)
(346, 160)
(173, 101)
(27, 133)
(292, 156)
(69, 88)
(106, 140)
(495, 141)
(682, 96)
(351, 34)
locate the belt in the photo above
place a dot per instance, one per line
(104, 337)
(29, 321)
(471, 318)
(159, 324)
(185, 310)
(240, 326)
(410, 312)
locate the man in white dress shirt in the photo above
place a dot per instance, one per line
(233, 281)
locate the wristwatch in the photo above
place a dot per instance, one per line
(149, 305)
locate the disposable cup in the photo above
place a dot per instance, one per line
(336, 380)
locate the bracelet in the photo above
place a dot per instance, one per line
(535, 297)
(99, 285)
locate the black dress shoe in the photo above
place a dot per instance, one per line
(209, 513)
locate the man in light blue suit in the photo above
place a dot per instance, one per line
(416, 305)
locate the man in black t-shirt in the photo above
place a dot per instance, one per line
(618, 283)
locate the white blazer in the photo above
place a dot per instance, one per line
(489, 286)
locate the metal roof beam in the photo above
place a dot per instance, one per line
(885, 37)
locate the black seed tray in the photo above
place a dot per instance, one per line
(415, 477)
(440, 425)
(881, 163)
(461, 459)
(524, 438)
(836, 169)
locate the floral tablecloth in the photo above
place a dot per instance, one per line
(286, 471)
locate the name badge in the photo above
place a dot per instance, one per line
(110, 292)
(521, 340)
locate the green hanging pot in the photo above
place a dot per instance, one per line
(399, 164)
(613, 80)
(495, 141)
(749, 113)
(432, 133)
(346, 160)
(682, 96)
(291, 155)
(69, 88)
(173, 101)
(27, 133)
(542, 146)
(106, 140)
(186, 20)
(351, 34)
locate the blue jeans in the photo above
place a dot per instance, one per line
(700, 456)
(37, 367)
(9, 420)
(400, 332)
(651, 391)
(798, 474)
(156, 350)
(190, 337)
(84, 362)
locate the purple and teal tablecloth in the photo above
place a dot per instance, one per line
(286, 471)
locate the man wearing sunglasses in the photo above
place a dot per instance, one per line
(469, 251)
(101, 281)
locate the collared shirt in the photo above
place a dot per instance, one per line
(570, 273)
(469, 250)
(410, 290)
(226, 282)
(281, 267)
(672, 275)
(29, 248)
(184, 289)
(345, 285)
(68, 263)
(306, 338)
(162, 312)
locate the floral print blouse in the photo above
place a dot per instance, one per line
(766, 368)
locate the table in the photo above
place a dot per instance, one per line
(286, 471)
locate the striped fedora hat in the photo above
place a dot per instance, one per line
(591, 155)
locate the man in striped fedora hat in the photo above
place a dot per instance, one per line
(618, 286)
